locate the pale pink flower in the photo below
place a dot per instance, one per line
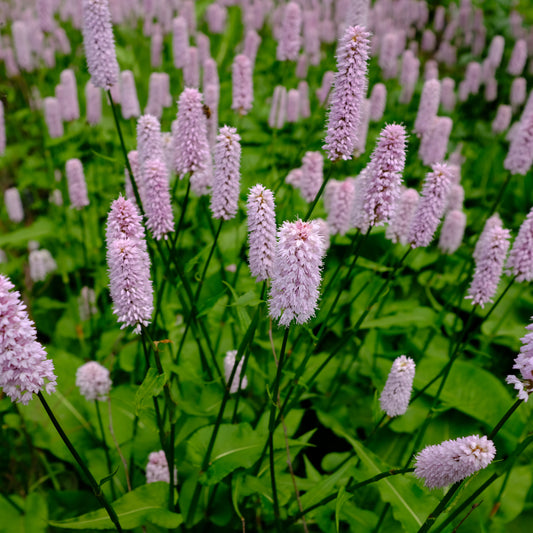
(242, 81)
(348, 92)
(191, 69)
(99, 44)
(452, 231)
(293, 105)
(442, 464)
(312, 175)
(520, 261)
(428, 106)
(402, 218)
(296, 272)
(93, 103)
(340, 207)
(518, 58)
(290, 39)
(502, 120)
(180, 41)
(226, 182)
(77, 188)
(128, 95)
(394, 399)
(24, 367)
(52, 117)
(93, 381)
(261, 232)
(378, 100)
(13, 204)
(157, 468)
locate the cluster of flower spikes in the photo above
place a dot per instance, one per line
(129, 266)
(24, 367)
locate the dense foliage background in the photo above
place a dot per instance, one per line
(334, 433)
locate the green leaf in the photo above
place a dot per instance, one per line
(419, 316)
(342, 497)
(144, 505)
(152, 385)
(40, 229)
(324, 488)
(236, 446)
(108, 477)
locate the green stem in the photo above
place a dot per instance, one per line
(491, 310)
(14, 504)
(318, 194)
(92, 482)
(504, 419)
(105, 447)
(125, 152)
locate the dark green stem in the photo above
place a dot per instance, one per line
(106, 448)
(92, 482)
(318, 194)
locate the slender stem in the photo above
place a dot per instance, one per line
(13, 503)
(104, 445)
(430, 520)
(504, 419)
(499, 196)
(92, 482)
(125, 152)
(318, 194)
(182, 216)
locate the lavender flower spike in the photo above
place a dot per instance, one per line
(24, 368)
(157, 468)
(489, 266)
(225, 193)
(191, 147)
(99, 43)
(93, 381)
(401, 220)
(428, 107)
(520, 262)
(384, 174)
(524, 363)
(431, 206)
(442, 464)
(290, 38)
(312, 175)
(520, 155)
(2, 129)
(340, 207)
(158, 207)
(296, 272)
(348, 93)
(262, 231)
(13, 204)
(229, 362)
(77, 188)
(452, 232)
(129, 266)
(243, 94)
(395, 397)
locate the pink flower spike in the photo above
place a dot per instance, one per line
(93, 103)
(24, 367)
(296, 272)
(157, 468)
(502, 120)
(385, 175)
(489, 266)
(2, 129)
(394, 399)
(225, 193)
(13, 204)
(128, 95)
(401, 220)
(158, 207)
(77, 188)
(243, 94)
(261, 231)
(340, 207)
(93, 381)
(428, 107)
(442, 464)
(452, 232)
(348, 92)
(180, 41)
(378, 100)
(52, 117)
(520, 261)
(290, 39)
(99, 44)
(191, 147)
(312, 175)
(431, 206)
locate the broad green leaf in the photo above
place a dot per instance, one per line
(236, 446)
(147, 504)
(325, 487)
(40, 229)
(418, 316)
(473, 391)
(152, 385)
